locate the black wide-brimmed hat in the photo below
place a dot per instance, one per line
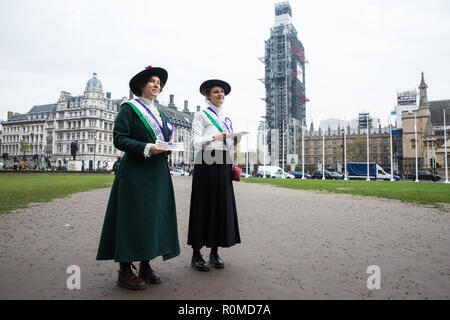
(213, 83)
(142, 77)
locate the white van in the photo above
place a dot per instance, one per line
(273, 172)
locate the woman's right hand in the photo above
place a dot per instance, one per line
(156, 149)
(221, 136)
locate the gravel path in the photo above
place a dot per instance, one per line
(295, 245)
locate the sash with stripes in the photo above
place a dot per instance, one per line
(214, 122)
(149, 120)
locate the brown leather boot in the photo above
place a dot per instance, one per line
(147, 274)
(128, 279)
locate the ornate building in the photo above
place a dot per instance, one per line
(88, 120)
(355, 143)
(428, 119)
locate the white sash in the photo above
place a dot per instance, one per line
(149, 118)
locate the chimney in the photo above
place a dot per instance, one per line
(171, 103)
(198, 108)
(186, 109)
(130, 95)
(108, 95)
(10, 114)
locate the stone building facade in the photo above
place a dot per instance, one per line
(88, 120)
(356, 147)
(428, 120)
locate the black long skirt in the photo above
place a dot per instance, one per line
(213, 217)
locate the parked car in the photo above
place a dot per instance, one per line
(245, 175)
(178, 172)
(424, 175)
(337, 175)
(318, 175)
(299, 174)
(281, 174)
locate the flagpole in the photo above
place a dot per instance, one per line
(345, 155)
(303, 153)
(392, 169)
(264, 148)
(445, 150)
(367, 119)
(323, 155)
(246, 163)
(415, 137)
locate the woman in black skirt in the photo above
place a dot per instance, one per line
(213, 218)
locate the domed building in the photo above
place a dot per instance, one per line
(94, 84)
(87, 120)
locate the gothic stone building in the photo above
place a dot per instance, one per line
(429, 122)
(355, 143)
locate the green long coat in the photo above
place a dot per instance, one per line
(140, 222)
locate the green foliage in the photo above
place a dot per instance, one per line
(422, 192)
(24, 146)
(357, 150)
(18, 191)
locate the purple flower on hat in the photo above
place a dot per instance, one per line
(148, 67)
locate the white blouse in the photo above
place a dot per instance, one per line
(203, 130)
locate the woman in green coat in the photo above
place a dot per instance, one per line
(140, 222)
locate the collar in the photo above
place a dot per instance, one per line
(147, 102)
(217, 110)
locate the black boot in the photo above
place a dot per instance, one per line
(215, 260)
(198, 263)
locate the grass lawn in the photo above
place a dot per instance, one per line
(17, 191)
(422, 192)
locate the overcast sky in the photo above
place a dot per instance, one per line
(360, 52)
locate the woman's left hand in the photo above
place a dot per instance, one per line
(237, 140)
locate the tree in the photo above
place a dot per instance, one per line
(357, 150)
(24, 146)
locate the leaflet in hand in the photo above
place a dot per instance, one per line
(239, 134)
(171, 147)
